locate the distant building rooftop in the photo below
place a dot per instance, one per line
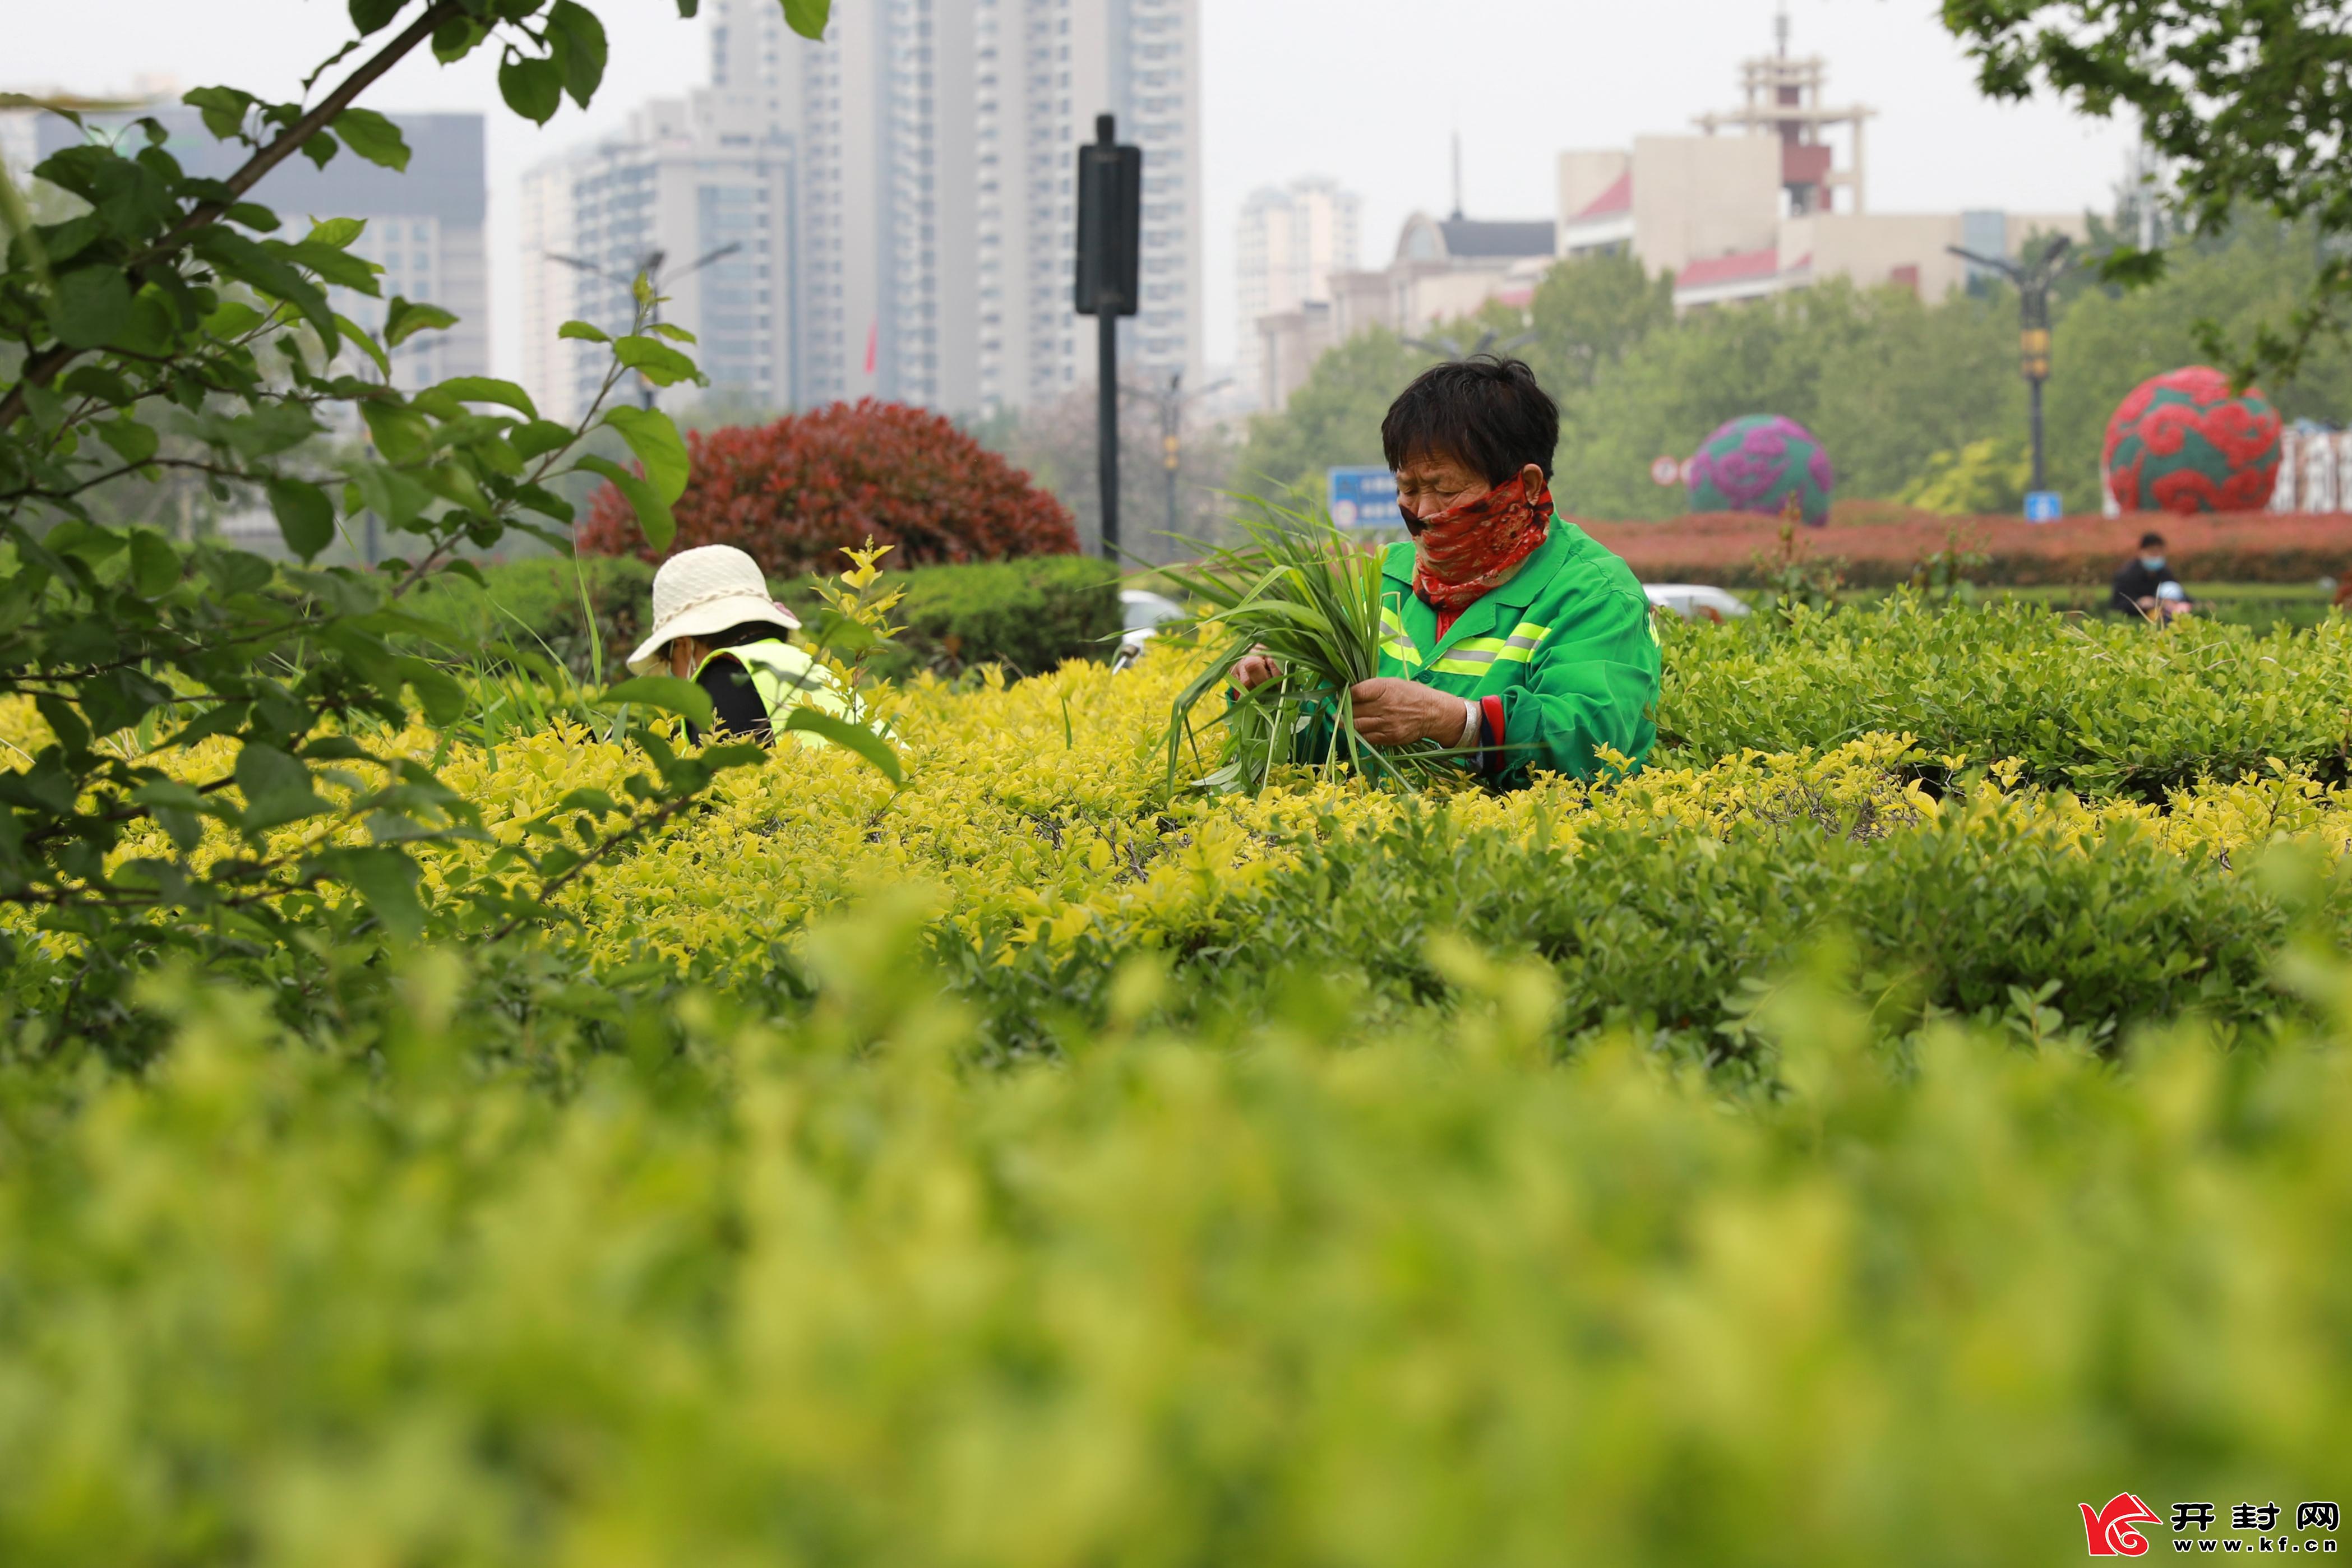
(1617, 198)
(1481, 237)
(1479, 241)
(1743, 268)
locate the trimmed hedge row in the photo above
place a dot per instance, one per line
(1875, 551)
(2105, 707)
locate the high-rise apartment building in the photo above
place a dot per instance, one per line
(922, 214)
(1292, 241)
(701, 200)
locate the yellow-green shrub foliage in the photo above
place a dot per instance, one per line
(1295, 1291)
(1853, 1152)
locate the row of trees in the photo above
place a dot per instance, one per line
(1899, 390)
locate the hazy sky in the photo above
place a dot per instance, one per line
(1368, 90)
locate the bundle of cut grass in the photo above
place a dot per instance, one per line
(1309, 598)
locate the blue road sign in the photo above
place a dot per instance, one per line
(2042, 506)
(1363, 498)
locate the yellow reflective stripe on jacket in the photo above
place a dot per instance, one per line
(1394, 644)
(1476, 655)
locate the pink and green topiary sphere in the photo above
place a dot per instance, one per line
(2183, 441)
(1756, 462)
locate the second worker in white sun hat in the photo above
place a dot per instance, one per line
(715, 623)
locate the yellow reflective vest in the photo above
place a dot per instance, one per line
(786, 677)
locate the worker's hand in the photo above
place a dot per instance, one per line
(1391, 712)
(1255, 669)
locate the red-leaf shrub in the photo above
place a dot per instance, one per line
(792, 493)
(1880, 548)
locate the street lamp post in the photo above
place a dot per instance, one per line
(2033, 279)
(650, 269)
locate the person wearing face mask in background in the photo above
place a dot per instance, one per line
(2136, 585)
(1508, 633)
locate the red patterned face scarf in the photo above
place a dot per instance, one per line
(1473, 548)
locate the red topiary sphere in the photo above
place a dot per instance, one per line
(2184, 442)
(792, 493)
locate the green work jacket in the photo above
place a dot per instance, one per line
(1566, 649)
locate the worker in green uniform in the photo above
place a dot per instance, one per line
(1510, 635)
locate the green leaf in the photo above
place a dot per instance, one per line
(488, 389)
(375, 16)
(335, 265)
(373, 137)
(248, 261)
(583, 331)
(132, 441)
(837, 634)
(674, 332)
(807, 18)
(362, 340)
(386, 880)
(154, 564)
(403, 319)
(95, 380)
(654, 440)
(455, 38)
(532, 88)
(340, 233)
(665, 692)
(89, 307)
(653, 514)
(305, 516)
(539, 437)
(232, 318)
(438, 693)
(578, 39)
(223, 109)
(656, 360)
(277, 788)
(321, 147)
(850, 736)
(688, 7)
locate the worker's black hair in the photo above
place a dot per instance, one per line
(2151, 538)
(736, 636)
(1485, 411)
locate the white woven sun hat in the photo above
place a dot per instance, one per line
(702, 591)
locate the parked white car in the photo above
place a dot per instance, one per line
(1694, 601)
(1143, 613)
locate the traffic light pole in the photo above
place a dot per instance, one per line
(1106, 427)
(1110, 233)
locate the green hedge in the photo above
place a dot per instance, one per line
(1299, 1288)
(1027, 615)
(537, 604)
(2097, 705)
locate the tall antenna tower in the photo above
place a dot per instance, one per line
(1457, 173)
(1783, 99)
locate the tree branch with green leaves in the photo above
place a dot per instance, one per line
(225, 732)
(2248, 101)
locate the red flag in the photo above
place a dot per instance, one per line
(873, 344)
